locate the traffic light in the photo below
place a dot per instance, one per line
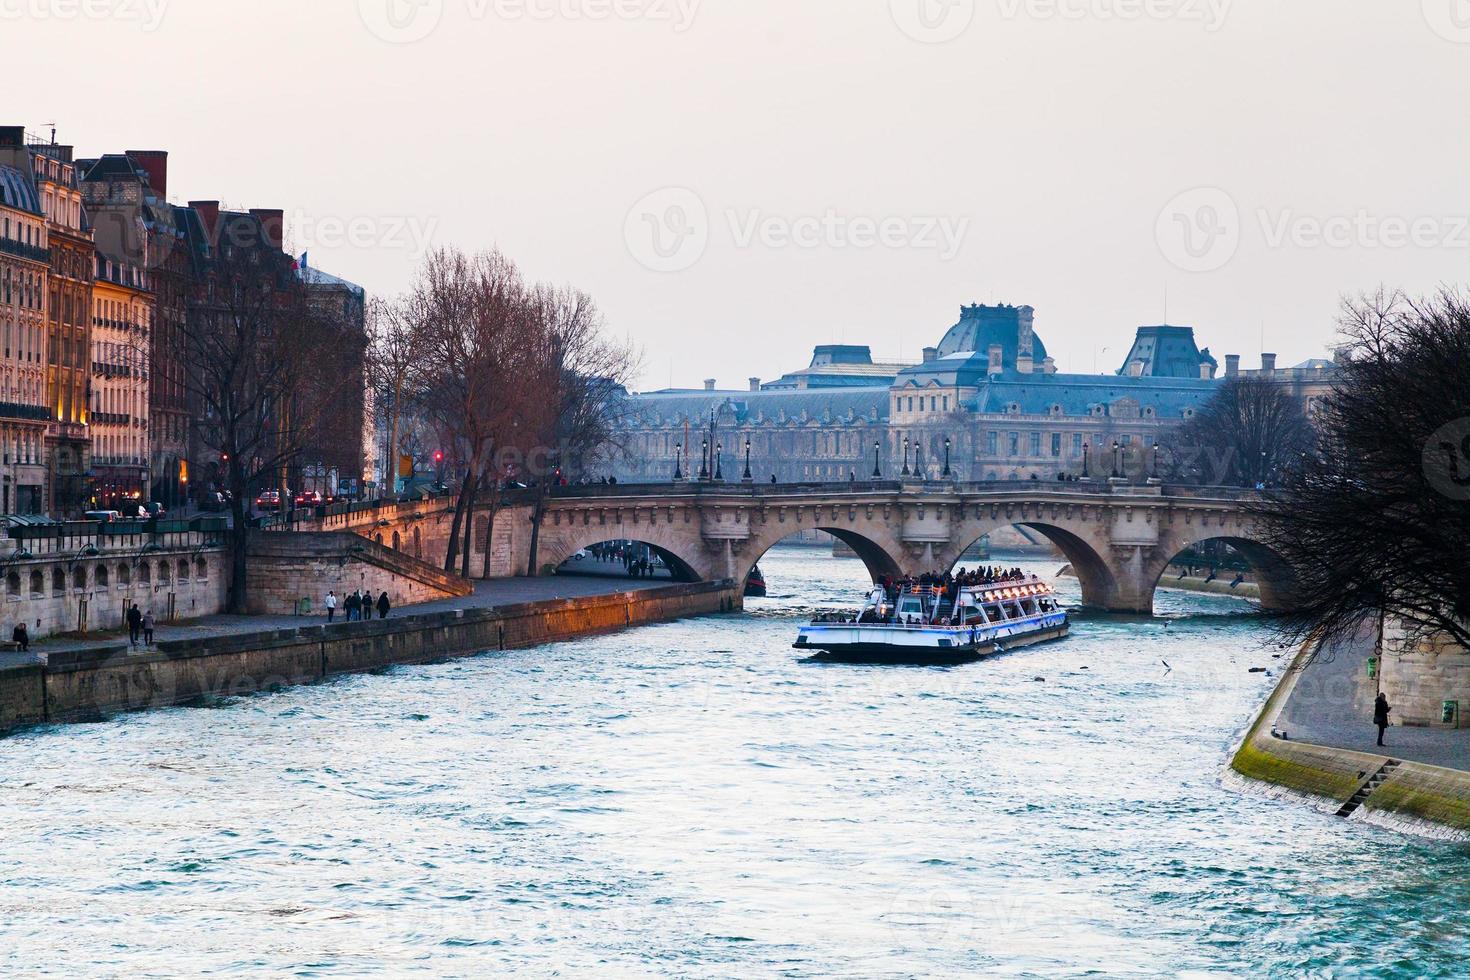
(438, 457)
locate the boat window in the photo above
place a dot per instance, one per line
(1013, 610)
(1048, 605)
(993, 613)
(1028, 607)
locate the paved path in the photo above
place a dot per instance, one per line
(1332, 704)
(500, 592)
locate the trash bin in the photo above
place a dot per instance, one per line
(1372, 667)
(1450, 713)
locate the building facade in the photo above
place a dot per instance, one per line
(122, 325)
(987, 403)
(68, 328)
(25, 262)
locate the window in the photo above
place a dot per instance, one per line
(1056, 444)
(1035, 443)
(1013, 447)
(992, 440)
(1076, 444)
(1126, 440)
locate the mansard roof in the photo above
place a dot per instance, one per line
(1078, 394)
(18, 192)
(770, 406)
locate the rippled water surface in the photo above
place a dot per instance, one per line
(691, 799)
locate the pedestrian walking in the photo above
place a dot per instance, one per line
(383, 606)
(148, 628)
(331, 603)
(22, 637)
(353, 605)
(135, 624)
(1380, 715)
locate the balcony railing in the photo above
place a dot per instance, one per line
(10, 246)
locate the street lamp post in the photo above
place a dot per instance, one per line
(704, 461)
(748, 477)
(877, 470)
(1154, 469)
(678, 462)
(1086, 450)
(719, 462)
(947, 443)
(905, 455)
(918, 459)
(1116, 448)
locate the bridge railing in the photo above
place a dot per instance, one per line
(1043, 488)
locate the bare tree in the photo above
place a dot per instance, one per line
(1251, 433)
(258, 356)
(1377, 520)
(393, 364)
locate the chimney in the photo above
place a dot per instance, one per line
(755, 384)
(709, 384)
(209, 216)
(997, 359)
(1232, 365)
(12, 136)
(931, 354)
(1206, 370)
(1135, 368)
(1024, 362)
(273, 223)
(1049, 366)
(1268, 363)
(155, 164)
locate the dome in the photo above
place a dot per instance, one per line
(982, 326)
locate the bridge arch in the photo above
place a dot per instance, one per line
(1275, 578)
(1101, 586)
(556, 549)
(876, 554)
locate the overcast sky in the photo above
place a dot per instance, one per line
(738, 180)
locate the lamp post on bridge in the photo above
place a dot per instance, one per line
(1117, 475)
(947, 443)
(719, 462)
(1154, 469)
(704, 461)
(877, 470)
(1086, 451)
(678, 462)
(748, 477)
(905, 455)
(918, 459)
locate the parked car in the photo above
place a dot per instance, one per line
(153, 509)
(104, 516)
(308, 498)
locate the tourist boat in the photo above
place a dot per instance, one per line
(755, 584)
(917, 624)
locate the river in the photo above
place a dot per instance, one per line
(691, 799)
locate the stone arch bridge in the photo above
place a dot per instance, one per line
(1119, 538)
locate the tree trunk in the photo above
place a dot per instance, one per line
(452, 554)
(239, 542)
(536, 514)
(469, 525)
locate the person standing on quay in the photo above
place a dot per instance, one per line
(383, 606)
(22, 637)
(353, 605)
(135, 623)
(148, 628)
(1381, 709)
(331, 603)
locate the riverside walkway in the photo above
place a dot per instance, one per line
(487, 595)
(1331, 705)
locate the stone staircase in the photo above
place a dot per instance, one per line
(286, 566)
(1368, 787)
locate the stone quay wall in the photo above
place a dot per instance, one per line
(84, 577)
(98, 683)
(1427, 680)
